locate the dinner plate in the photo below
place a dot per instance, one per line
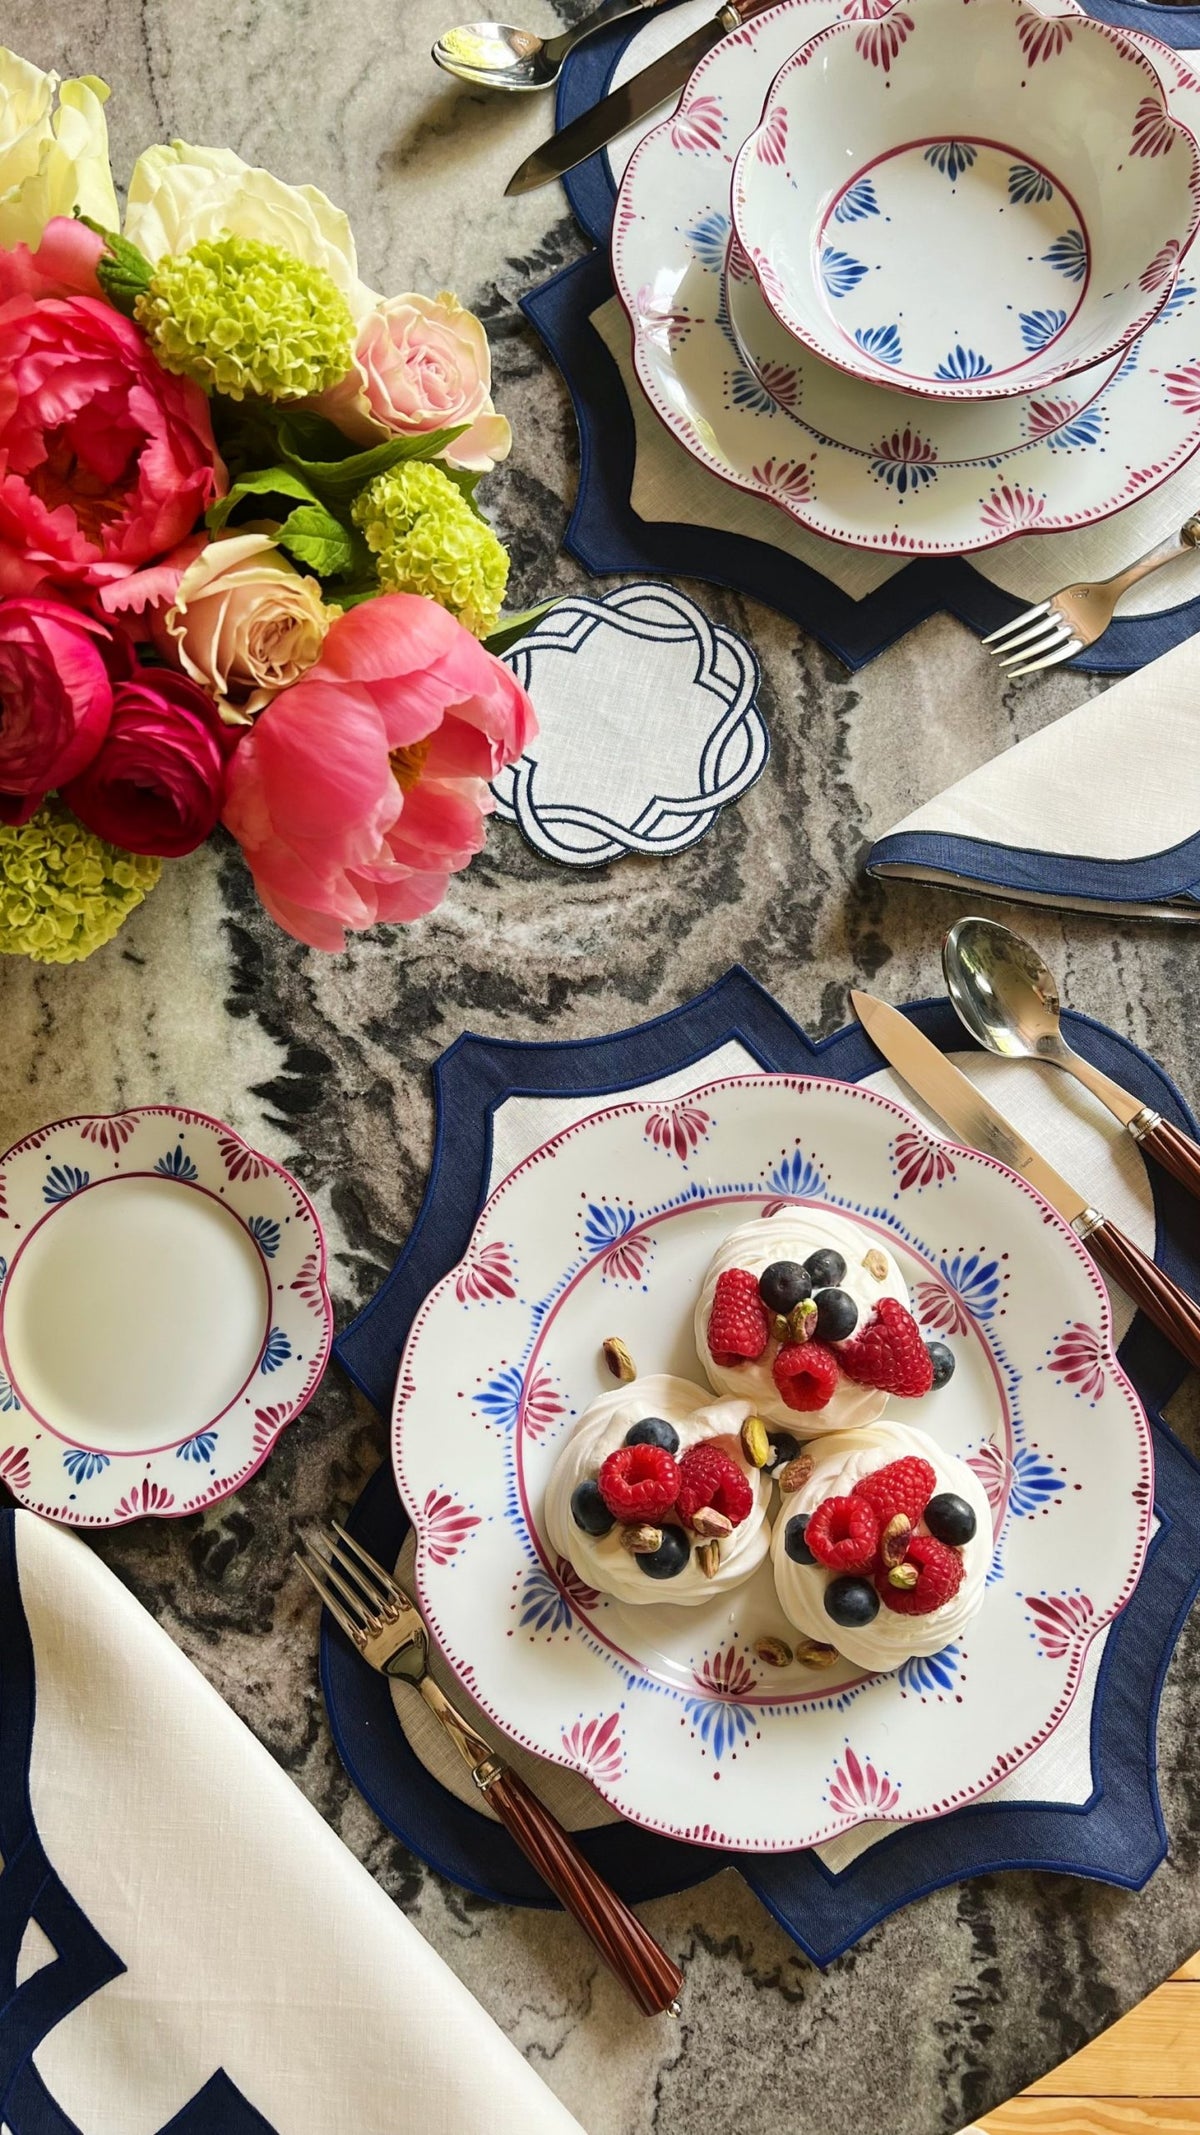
(670, 1712)
(163, 1314)
(671, 230)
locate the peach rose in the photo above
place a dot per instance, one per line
(421, 364)
(244, 624)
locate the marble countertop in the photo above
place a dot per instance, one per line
(950, 2006)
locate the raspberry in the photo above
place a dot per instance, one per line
(707, 1476)
(940, 1574)
(889, 1354)
(806, 1374)
(639, 1482)
(737, 1325)
(844, 1534)
(903, 1486)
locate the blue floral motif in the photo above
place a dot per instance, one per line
(839, 272)
(605, 1225)
(277, 1351)
(176, 1164)
(1128, 366)
(951, 158)
(720, 1724)
(1182, 294)
(1068, 255)
(709, 239)
(63, 1180)
(8, 1397)
(797, 1177)
(928, 1673)
(1028, 187)
(882, 342)
(964, 363)
(266, 1234)
(1033, 1482)
(1086, 428)
(1038, 328)
(746, 391)
(81, 1465)
(3, 1270)
(975, 1280)
(857, 202)
(905, 464)
(543, 1605)
(501, 1398)
(199, 1448)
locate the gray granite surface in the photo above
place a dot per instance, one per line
(949, 2007)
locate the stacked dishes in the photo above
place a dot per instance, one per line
(912, 271)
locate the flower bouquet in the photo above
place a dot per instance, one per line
(243, 575)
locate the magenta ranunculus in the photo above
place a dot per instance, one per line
(360, 790)
(105, 459)
(55, 699)
(156, 783)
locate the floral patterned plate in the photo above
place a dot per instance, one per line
(163, 1314)
(607, 1230)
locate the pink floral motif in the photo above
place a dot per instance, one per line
(576, 1589)
(737, 266)
(1183, 388)
(487, 1272)
(677, 1128)
(920, 1162)
(1041, 39)
(626, 1261)
(790, 479)
(543, 1403)
(782, 383)
(771, 143)
(989, 1464)
(1161, 266)
(307, 1281)
(725, 1674)
(14, 1467)
(110, 1133)
(658, 322)
(596, 1745)
(1010, 507)
(880, 41)
(240, 1162)
(1046, 416)
(939, 1309)
(768, 277)
(1078, 1357)
(1153, 132)
(143, 1498)
(868, 10)
(700, 128)
(1058, 1621)
(268, 1423)
(856, 1785)
(445, 1526)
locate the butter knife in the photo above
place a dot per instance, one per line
(634, 100)
(969, 1116)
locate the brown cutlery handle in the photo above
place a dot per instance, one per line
(628, 1948)
(1176, 1152)
(1162, 1300)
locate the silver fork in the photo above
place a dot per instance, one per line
(1072, 620)
(385, 1626)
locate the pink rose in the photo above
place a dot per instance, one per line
(421, 364)
(55, 699)
(358, 792)
(105, 460)
(156, 782)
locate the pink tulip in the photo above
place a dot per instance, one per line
(55, 699)
(358, 792)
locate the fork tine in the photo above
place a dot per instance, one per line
(378, 1601)
(1055, 634)
(359, 1605)
(1060, 653)
(382, 1578)
(329, 1599)
(1049, 621)
(1030, 615)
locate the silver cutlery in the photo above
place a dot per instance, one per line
(1008, 1000)
(970, 1118)
(1069, 621)
(495, 55)
(384, 1625)
(634, 100)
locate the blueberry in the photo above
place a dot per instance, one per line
(784, 1446)
(827, 1268)
(653, 1431)
(943, 1361)
(951, 1519)
(793, 1540)
(670, 1556)
(589, 1511)
(851, 1602)
(784, 1284)
(837, 1315)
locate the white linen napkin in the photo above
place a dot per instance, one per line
(1100, 811)
(253, 1942)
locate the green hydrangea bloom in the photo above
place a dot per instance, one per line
(244, 317)
(427, 539)
(64, 891)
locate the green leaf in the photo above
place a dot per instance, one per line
(314, 537)
(466, 480)
(512, 628)
(338, 482)
(122, 271)
(265, 482)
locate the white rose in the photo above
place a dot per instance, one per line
(245, 624)
(52, 161)
(178, 195)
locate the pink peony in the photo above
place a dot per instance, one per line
(105, 460)
(156, 783)
(55, 699)
(358, 792)
(422, 364)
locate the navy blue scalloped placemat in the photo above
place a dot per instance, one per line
(1117, 1836)
(606, 535)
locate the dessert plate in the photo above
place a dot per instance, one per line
(670, 234)
(670, 1712)
(163, 1314)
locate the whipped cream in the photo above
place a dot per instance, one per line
(600, 1560)
(792, 1235)
(890, 1639)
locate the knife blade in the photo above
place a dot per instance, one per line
(972, 1119)
(634, 100)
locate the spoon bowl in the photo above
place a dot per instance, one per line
(496, 55)
(1002, 991)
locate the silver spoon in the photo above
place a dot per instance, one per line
(1008, 1000)
(494, 55)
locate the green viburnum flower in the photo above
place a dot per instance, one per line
(245, 317)
(64, 891)
(426, 539)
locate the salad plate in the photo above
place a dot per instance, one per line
(672, 1713)
(164, 1314)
